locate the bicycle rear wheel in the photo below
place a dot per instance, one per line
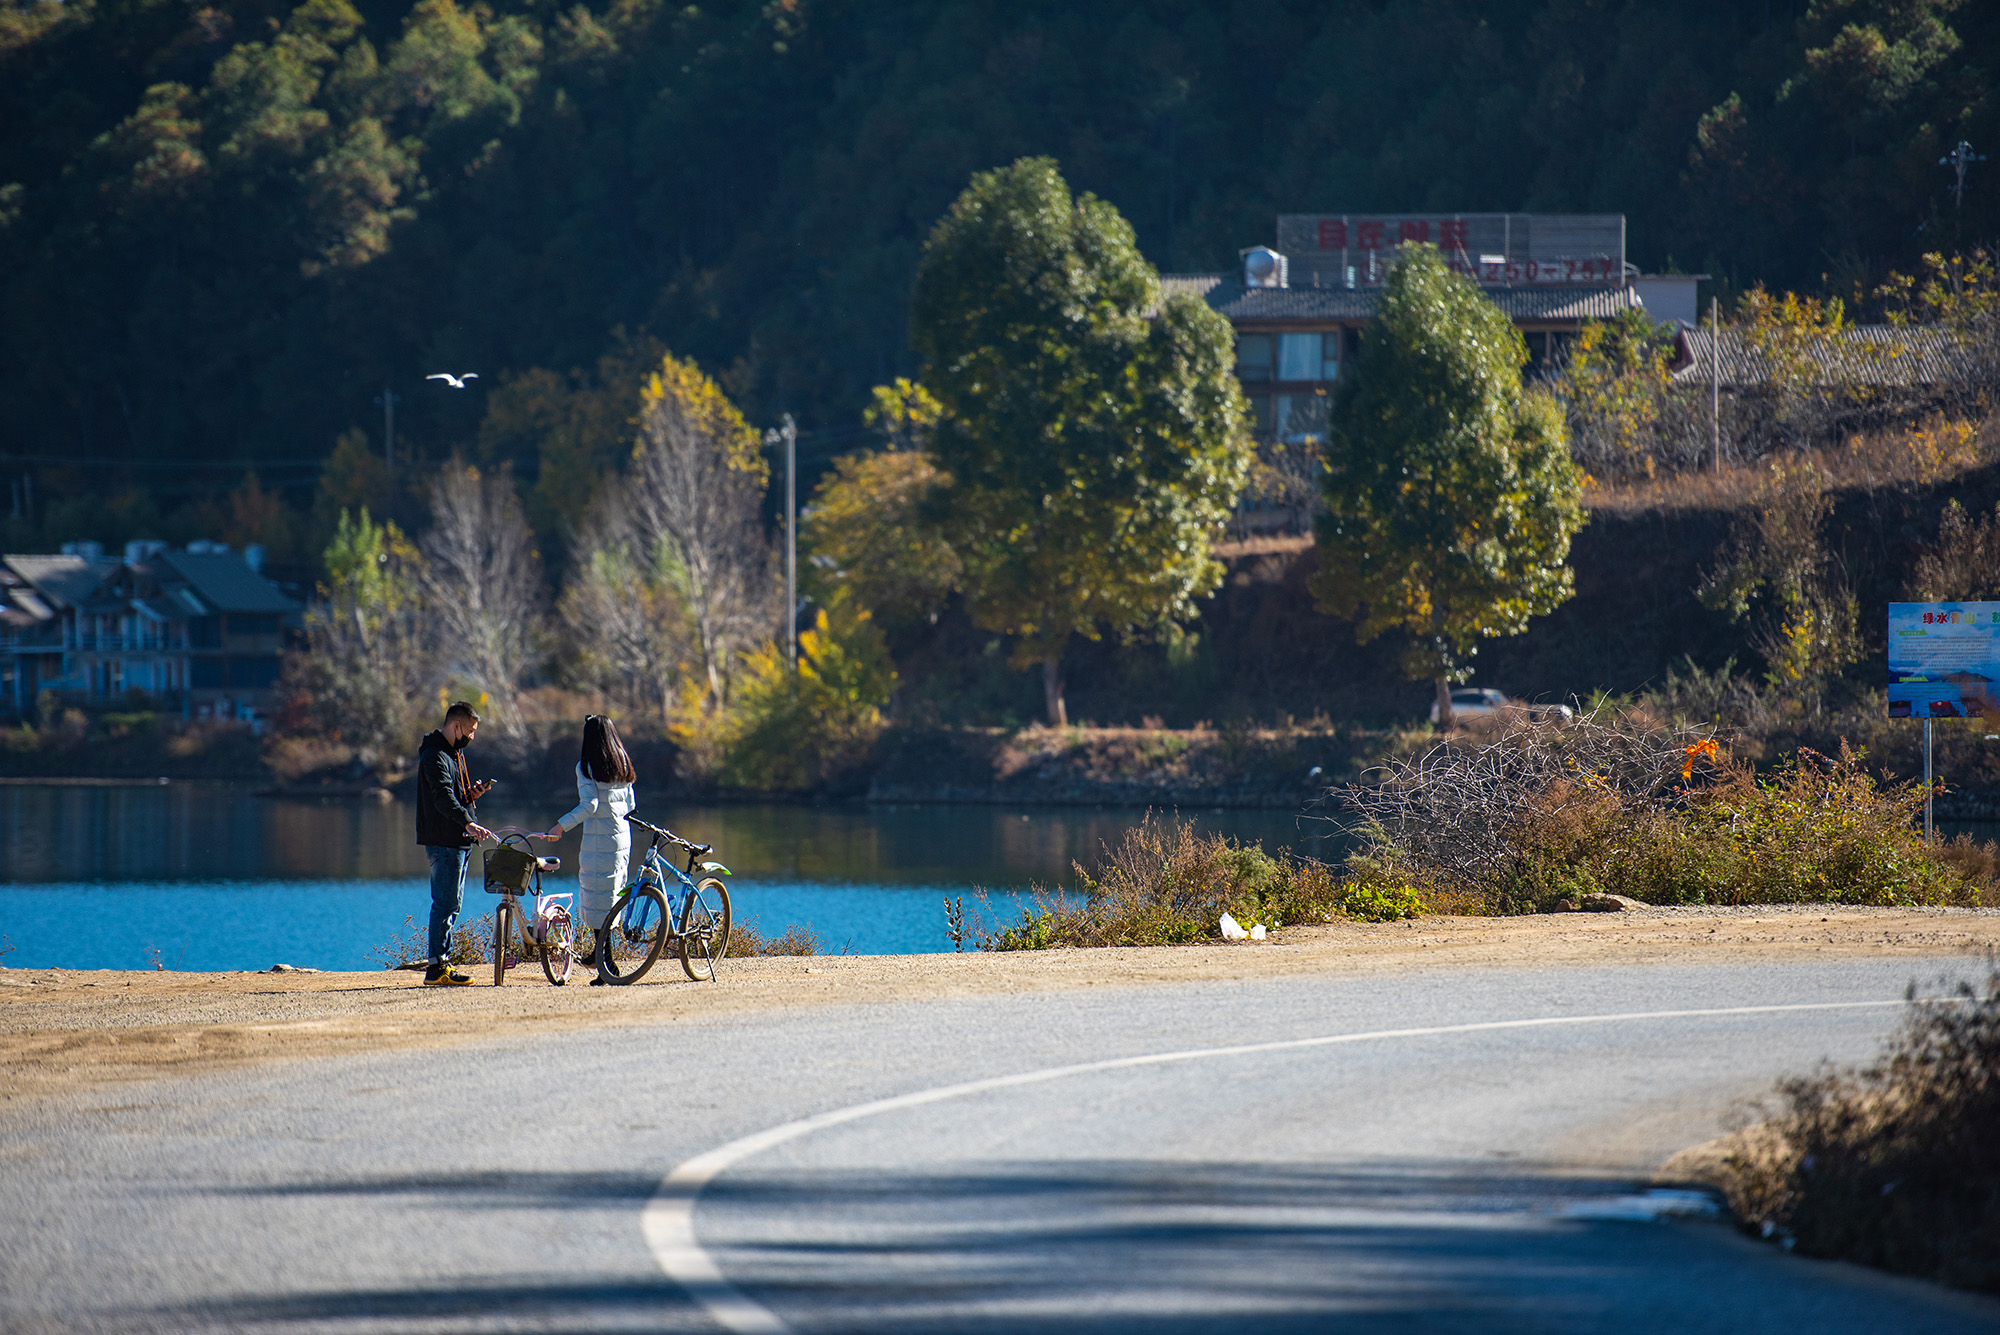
(632, 936)
(559, 947)
(705, 934)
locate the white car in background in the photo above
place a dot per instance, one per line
(1470, 702)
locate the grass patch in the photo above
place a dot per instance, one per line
(1895, 1166)
(1164, 884)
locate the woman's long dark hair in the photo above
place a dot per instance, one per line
(604, 757)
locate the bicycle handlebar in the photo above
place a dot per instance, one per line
(669, 836)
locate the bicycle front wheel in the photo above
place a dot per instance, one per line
(705, 934)
(501, 918)
(632, 936)
(559, 948)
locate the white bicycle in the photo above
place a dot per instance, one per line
(547, 930)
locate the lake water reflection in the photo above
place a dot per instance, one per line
(215, 877)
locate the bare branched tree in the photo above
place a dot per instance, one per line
(1963, 565)
(691, 503)
(626, 616)
(483, 584)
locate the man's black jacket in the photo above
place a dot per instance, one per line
(444, 806)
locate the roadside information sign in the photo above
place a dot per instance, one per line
(1944, 660)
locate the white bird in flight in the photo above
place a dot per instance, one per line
(456, 381)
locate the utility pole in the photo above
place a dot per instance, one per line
(790, 432)
(388, 401)
(1715, 381)
(1958, 160)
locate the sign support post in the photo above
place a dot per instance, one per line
(1928, 838)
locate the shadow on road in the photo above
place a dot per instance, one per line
(1122, 1247)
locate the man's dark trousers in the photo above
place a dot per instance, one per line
(447, 896)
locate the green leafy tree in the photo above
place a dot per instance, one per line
(1451, 497)
(367, 667)
(1090, 423)
(872, 528)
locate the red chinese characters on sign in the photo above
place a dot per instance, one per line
(1454, 237)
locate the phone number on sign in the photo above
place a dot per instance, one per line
(1542, 271)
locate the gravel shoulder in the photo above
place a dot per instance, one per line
(65, 1031)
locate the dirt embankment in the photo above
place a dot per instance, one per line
(62, 1031)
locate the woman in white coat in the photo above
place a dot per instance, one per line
(604, 797)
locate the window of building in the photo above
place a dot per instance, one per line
(1253, 356)
(253, 674)
(1298, 356)
(205, 674)
(1329, 356)
(1300, 419)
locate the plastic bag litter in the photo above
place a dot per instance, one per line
(1232, 930)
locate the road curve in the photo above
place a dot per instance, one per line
(1432, 1151)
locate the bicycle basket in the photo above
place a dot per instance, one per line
(507, 871)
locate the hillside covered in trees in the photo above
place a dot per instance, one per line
(226, 228)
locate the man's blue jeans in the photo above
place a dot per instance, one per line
(447, 896)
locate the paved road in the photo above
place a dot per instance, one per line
(1438, 1180)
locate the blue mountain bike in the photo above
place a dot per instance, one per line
(664, 904)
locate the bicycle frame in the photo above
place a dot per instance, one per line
(510, 906)
(682, 883)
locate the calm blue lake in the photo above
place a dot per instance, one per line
(211, 877)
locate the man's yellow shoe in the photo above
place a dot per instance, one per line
(447, 977)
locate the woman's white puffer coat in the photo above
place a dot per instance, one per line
(601, 809)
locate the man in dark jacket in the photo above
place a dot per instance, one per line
(447, 830)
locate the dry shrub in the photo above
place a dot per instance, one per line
(745, 940)
(1617, 802)
(1895, 1166)
(1163, 884)
(295, 757)
(472, 943)
(1978, 863)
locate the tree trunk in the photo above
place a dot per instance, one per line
(1052, 691)
(1444, 703)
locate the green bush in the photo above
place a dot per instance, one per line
(791, 730)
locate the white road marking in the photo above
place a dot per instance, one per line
(668, 1220)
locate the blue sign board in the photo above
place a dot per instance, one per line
(1944, 660)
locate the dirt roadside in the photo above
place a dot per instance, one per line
(64, 1031)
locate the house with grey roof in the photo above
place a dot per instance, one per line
(200, 629)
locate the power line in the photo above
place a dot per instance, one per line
(71, 461)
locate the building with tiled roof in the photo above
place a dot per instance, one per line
(1299, 307)
(199, 629)
(1877, 356)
